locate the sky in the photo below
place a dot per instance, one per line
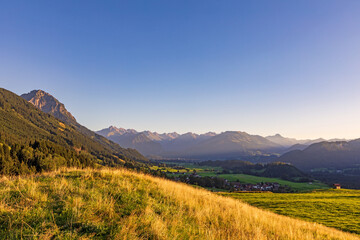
(263, 67)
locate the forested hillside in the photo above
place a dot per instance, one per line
(49, 104)
(33, 141)
(272, 170)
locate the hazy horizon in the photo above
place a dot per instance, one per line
(207, 66)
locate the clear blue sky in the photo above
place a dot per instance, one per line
(264, 67)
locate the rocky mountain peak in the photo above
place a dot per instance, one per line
(49, 104)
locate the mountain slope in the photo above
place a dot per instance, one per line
(338, 155)
(120, 204)
(49, 104)
(21, 123)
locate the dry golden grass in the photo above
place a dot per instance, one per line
(120, 204)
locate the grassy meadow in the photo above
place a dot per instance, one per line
(120, 204)
(333, 208)
(210, 171)
(244, 178)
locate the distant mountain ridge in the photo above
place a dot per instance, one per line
(233, 144)
(112, 130)
(225, 145)
(151, 143)
(191, 145)
(289, 142)
(292, 142)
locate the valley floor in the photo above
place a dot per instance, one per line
(120, 204)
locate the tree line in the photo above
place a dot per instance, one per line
(39, 156)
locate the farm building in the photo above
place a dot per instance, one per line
(337, 186)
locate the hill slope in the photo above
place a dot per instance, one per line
(119, 204)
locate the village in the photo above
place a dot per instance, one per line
(262, 186)
(232, 186)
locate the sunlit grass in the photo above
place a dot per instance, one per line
(120, 204)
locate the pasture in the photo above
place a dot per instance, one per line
(333, 208)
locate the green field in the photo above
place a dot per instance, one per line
(333, 208)
(243, 178)
(189, 166)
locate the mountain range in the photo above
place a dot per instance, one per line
(225, 145)
(230, 144)
(298, 144)
(290, 142)
(304, 154)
